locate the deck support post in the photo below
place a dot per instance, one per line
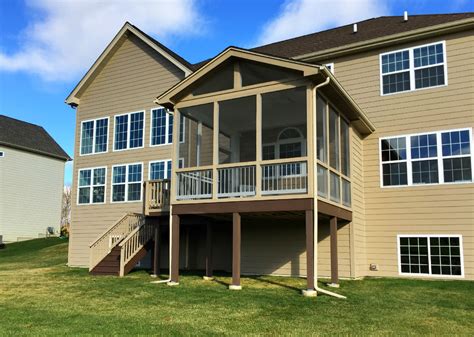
(209, 266)
(174, 226)
(236, 242)
(334, 263)
(309, 224)
(156, 251)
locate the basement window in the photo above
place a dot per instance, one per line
(2, 154)
(434, 255)
(413, 68)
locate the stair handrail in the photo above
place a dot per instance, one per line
(133, 243)
(103, 245)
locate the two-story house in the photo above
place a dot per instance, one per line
(31, 181)
(343, 153)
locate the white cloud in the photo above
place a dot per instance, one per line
(66, 36)
(299, 17)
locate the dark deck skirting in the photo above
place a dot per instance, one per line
(286, 205)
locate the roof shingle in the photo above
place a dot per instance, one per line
(29, 137)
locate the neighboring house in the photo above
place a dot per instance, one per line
(31, 181)
(279, 164)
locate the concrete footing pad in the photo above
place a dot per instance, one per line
(309, 293)
(333, 285)
(208, 278)
(234, 287)
(172, 284)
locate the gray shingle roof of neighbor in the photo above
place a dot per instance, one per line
(340, 36)
(29, 137)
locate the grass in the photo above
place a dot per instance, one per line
(40, 295)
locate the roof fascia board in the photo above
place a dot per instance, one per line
(73, 100)
(307, 69)
(27, 149)
(353, 48)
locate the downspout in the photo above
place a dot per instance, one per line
(170, 257)
(315, 196)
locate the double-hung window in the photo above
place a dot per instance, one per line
(428, 158)
(160, 169)
(436, 255)
(91, 186)
(94, 136)
(413, 68)
(127, 182)
(129, 129)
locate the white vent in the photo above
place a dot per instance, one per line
(405, 16)
(354, 28)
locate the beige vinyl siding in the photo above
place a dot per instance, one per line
(438, 209)
(31, 188)
(130, 81)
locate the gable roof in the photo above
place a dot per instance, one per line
(367, 30)
(165, 99)
(73, 98)
(29, 137)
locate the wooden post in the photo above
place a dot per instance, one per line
(156, 251)
(209, 266)
(309, 250)
(334, 268)
(175, 249)
(236, 240)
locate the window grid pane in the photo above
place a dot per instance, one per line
(158, 127)
(136, 130)
(170, 129)
(396, 82)
(157, 170)
(101, 132)
(87, 137)
(429, 77)
(414, 255)
(425, 172)
(395, 61)
(121, 131)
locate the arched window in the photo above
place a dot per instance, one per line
(290, 143)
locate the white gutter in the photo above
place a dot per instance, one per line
(315, 198)
(168, 280)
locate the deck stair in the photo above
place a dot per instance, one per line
(120, 247)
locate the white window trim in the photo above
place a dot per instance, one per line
(93, 136)
(166, 128)
(126, 184)
(412, 69)
(330, 65)
(439, 158)
(165, 161)
(128, 131)
(428, 236)
(91, 186)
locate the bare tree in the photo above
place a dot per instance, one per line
(66, 210)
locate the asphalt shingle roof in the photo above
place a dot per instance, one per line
(29, 137)
(343, 35)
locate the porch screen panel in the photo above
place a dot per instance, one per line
(197, 147)
(237, 130)
(321, 129)
(284, 124)
(333, 139)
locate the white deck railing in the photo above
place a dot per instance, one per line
(236, 181)
(284, 178)
(112, 236)
(194, 185)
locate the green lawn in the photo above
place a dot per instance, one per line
(39, 295)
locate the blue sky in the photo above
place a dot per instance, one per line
(47, 45)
